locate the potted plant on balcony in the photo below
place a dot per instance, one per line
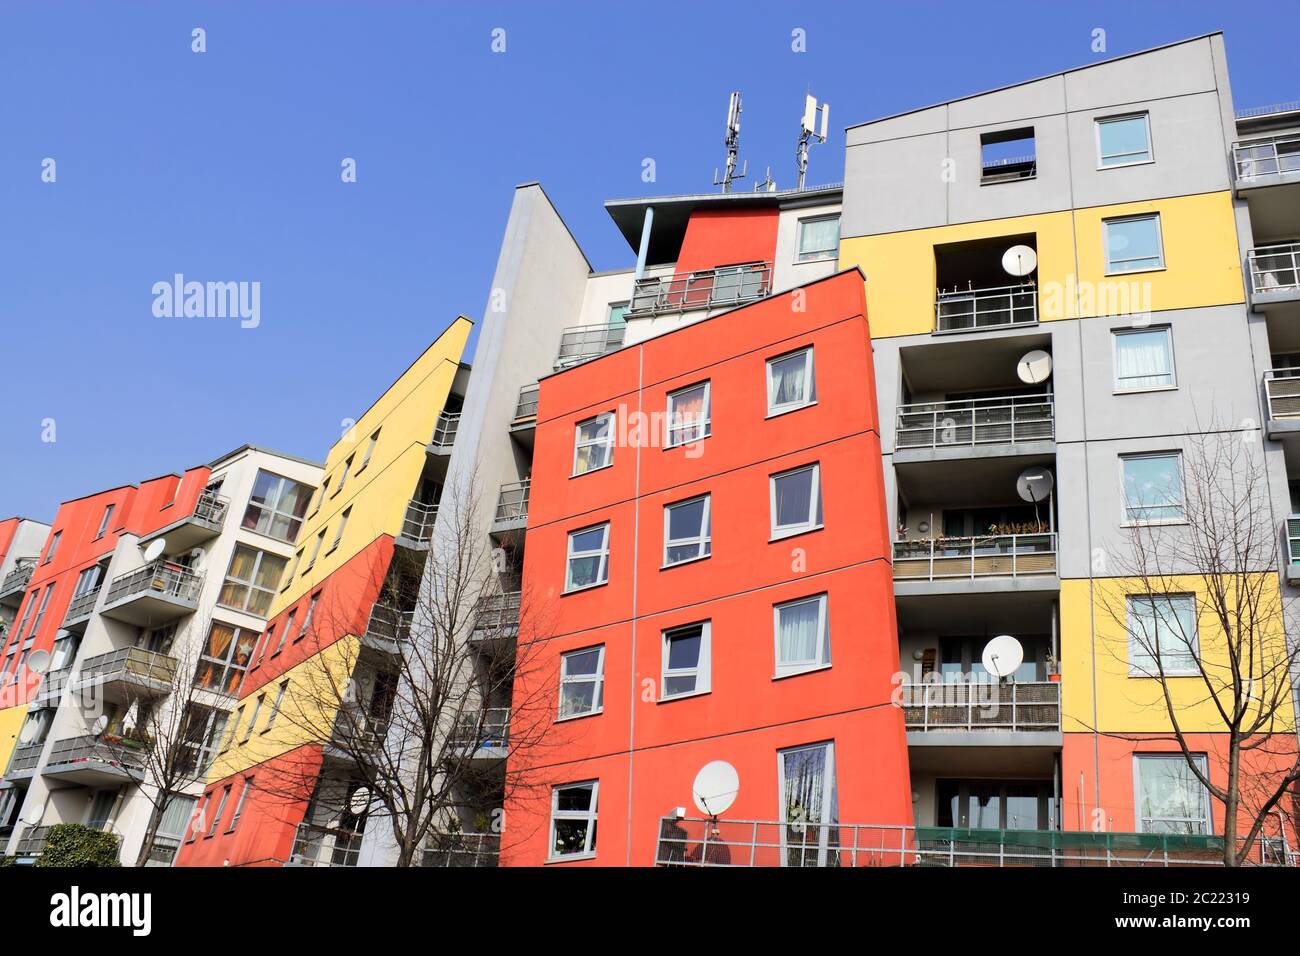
(1053, 668)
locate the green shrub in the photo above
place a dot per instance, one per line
(73, 844)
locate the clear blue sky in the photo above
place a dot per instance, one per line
(225, 166)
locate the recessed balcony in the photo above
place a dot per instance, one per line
(155, 594)
(482, 736)
(80, 609)
(200, 525)
(983, 713)
(417, 525)
(1282, 388)
(22, 764)
(582, 343)
(1274, 277)
(388, 628)
(444, 433)
(1292, 530)
(497, 618)
(525, 418)
(462, 849)
(720, 288)
(106, 760)
(51, 687)
(982, 309)
(975, 427)
(128, 673)
(984, 558)
(15, 582)
(1267, 161)
(325, 846)
(32, 843)
(511, 513)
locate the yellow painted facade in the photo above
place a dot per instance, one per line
(1127, 704)
(11, 721)
(1202, 265)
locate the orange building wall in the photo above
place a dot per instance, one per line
(728, 237)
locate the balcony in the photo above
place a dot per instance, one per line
(24, 760)
(1282, 388)
(976, 427)
(497, 618)
(388, 628)
(485, 735)
(582, 343)
(978, 310)
(512, 507)
(444, 433)
(1010, 556)
(51, 687)
(201, 524)
(462, 849)
(325, 846)
(15, 582)
(1274, 275)
(1293, 549)
(79, 610)
(31, 843)
(157, 593)
(526, 408)
(1269, 161)
(983, 713)
(695, 841)
(721, 288)
(128, 673)
(97, 761)
(417, 525)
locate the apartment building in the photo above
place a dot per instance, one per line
(21, 540)
(282, 786)
(149, 613)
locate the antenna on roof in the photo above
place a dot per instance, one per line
(733, 146)
(768, 185)
(808, 131)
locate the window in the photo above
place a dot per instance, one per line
(239, 804)
(103, 522)
(1144, 359)
(573, 820)
(803, 638)
(588, 558)
(286, 631)
(234, 729)
(370, 451)
(202, 736)
(54, 546)
(27, 613)
(1162, 634)
(293, 571)
(791, 382)
(267, 638)
(275, 706)
(40, 611)
(251, 580)
(221, 809)
(796, 501)
(1169, 797)
(306, 621)
(87, 581)
(689, 415)
(593, 444)
(315, 549)
(819, 238)
(338, 535)
(686, 661)
(687, 526)
(615, 317)
(225, 657)
(1008, 155)
(277, 506)
(1133, 244)
(196, 821)
(320, 496)
(1153, 488)
(252, 718)
(582, 682)
(1123, 140)
(809, 804)
(343, 475)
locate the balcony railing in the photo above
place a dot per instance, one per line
(24, 760)
(462, 849)
(32, 842)
(129, 757)
(134, 665)
(160, 579)
(581, 343)
(707, 289)
(993, 308)
(996, 420)
(526, 406)
(487, 729)
(497, 614)
(211, 509)
(444, 432)
(389, 624)
(81, 606)
(1272, 156)
(512, 502)
(1009, 169)
(17, 579)
(1282, 386)
(325, 846)
(52, 684)
(998, 555)
(1293, 546)
(1248, 112)
(418, 524)
(1275, 268)
(983, 706)
(694, 841)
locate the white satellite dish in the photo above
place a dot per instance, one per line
(1034, 367)
(715, 787)
(1019, 261)
(360, 801)
(1034, 484)
(98, 726)
(1002, 655)
(155, 549)
(38, 662)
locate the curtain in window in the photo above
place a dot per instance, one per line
(1142, 359)
(818, 236)
(794, 498)
(788, 380)
(1167, 624)
(1172, 799)
(804, 785)
(212, 666)
(688, 415)
(799, 632)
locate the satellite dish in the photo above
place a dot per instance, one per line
(1002, 655)
(1019, 261)
(715, 787)
(155, 549)
(38, 662)
(1034, 367)
(1034, 484)
(360, 801)
(98, 726)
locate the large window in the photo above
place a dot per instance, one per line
(1144, 359)
(251, 580)
(689, 415)
(172, 825)
(588, 561)
(573, 819)
(687, 534)
(1169, 798)
(1153, 488)
(582, 682)
(1162, 634)
(809, 805)
(277, 506)
(686, 661)
(791, 382)
(803, 637)
(593, 444)
(819, 238)
(1123, 140)
(1133, 244)
(796, 501)
(225, 657)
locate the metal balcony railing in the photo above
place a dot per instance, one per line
(1008, 169)
(32, 842)
(120, 753)
(581, 343)
(325, 846)
(417, 525)
(17, 579)
(992, 308)
(1271, 156)
(1293, 543)
(706, 289)
(52, 685)
(975, 421)
(1252, 111)
(390, 624)
(1282, 387)
(81, 606)
(1275, 268)
(444, 432)
(132, 664)
(512, 501)
(162, 852)
(982, 706)
(526, 406)
(159, 578)
(488, 729)
(211, 509)
(462, 849)
(24, 760)
(999, 555)
(499, 613)
(693, 841)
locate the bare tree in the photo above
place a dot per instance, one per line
(1220, 650)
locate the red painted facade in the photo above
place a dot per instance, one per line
(644, 751)
(728, 237)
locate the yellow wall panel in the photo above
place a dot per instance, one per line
(11, 721)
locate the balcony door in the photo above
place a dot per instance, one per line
(809, 806)
(959, 656)
(995, 804)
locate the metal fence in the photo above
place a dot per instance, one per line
(982, 705)
(1003, 419)
(999, 555)
(462, 849)
(159, 578)
(991, 308)
(1271, 156)
(1275, 268)
(706, 289)
(581, 343)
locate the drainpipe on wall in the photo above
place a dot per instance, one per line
(644, 248)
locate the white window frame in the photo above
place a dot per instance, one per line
(1120, 388)
(832, 253)
(1140, 822)
(250, 584)
(607, 442)
(822, 658)
(252, 718)
(700, 429)
(1099, 121)
(239, 805)
(343, 523)
(370, 450)
(590, 816)
(598, 678)
(315, 548)
(1129, 521)
(320, 498)
(703, 541)
(103, 522)
(272, 508)
(54, 546)
(343, 475)
(275, 706)
(814, 503)
(1137, 670)
(703, 669)
(221, 809)
(603, 552)
(810, 379)
(1110, 269)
